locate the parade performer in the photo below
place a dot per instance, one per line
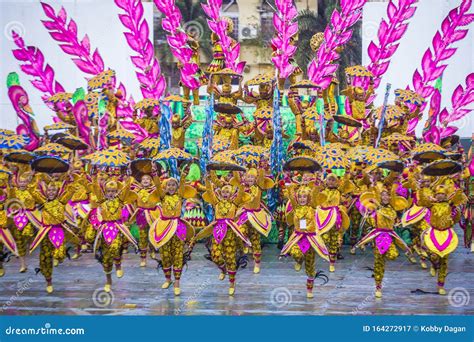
(440, 238)
(145, 198)
(111, 230)
(179, 127)
(6, 237)
(331, 216)
(381, 206)
(169, 232)
(305, 242)
(199, 75)
(80, 203)
(22, 204)
(224, 230)
(254, 218)
(420, 185)
(55, 226)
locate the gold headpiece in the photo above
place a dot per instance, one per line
(111, 185)
(176, 118)
(306, 190)
(316, 41)
(252, 172)
(230, 24)
(359, 91)
(171, 179)
(442, 189)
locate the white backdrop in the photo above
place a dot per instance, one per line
(423, 26)
(98, 18)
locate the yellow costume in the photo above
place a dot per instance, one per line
(382, 216)
(440, 238)
(169, 232)
(224, 242)
(306, 240)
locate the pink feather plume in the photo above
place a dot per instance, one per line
(286, 27)
(390, 32)
(178, 41)
(432, 66)
(337, 34)
(218, 26)
(65, 33)
(152, 82)
(33, 64)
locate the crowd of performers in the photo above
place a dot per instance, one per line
(354, 178)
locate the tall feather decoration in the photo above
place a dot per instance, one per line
(432, 66)
(65, 33)
(219, 26)
(337, 33)
(178, 41)
(439, 125)
(152, 83)
(34, 65)
(285, 27)
(462, 98)
(391, 31)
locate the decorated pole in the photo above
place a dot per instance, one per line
(382, 115)
(276, 150)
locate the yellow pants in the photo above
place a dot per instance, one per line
(111, 254)
(332, 240)
(224, 255)
(172, 257)
(441, 265)
(309, 260)
(254, 237)
(379, 263)
(143, 241)
(47, 253)
(22, 238)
